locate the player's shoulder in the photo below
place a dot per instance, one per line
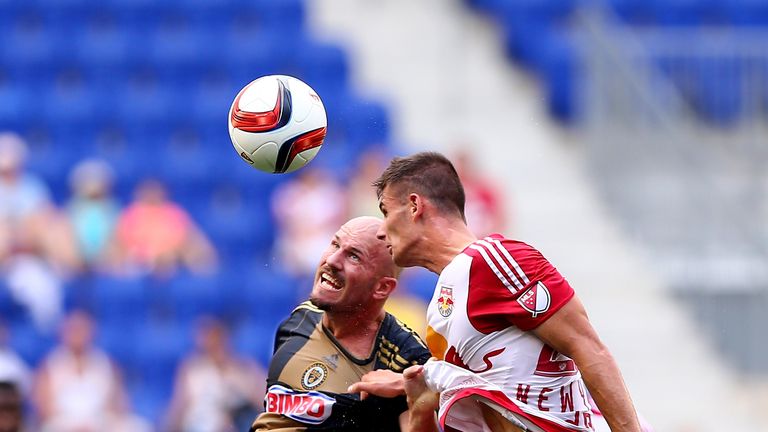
(399, 342)
(307, 308)
(302, 320)
(497, 245)
(512, 262)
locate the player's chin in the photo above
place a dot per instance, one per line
(400, 259)
(319, 302)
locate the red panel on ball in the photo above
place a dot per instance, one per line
(311, 139)
(257, 122)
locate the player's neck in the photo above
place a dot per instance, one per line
(355, 332)
(343, 324)
(445, 239)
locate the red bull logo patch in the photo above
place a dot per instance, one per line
(311, 407)
(445, 301)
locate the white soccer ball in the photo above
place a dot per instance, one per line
(277, 123)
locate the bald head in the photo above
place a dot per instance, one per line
(364, 229)
(356, 273)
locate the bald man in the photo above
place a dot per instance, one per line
(340, 334)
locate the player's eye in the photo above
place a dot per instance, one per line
(335, 244)
(354, 257)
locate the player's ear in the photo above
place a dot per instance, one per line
(415, 205)
(384, 288)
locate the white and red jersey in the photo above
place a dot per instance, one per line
(485, 303)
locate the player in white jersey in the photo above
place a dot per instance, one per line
(500, 311)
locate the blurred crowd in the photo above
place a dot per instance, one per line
(80, 386)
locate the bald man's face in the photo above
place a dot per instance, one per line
(351, 266)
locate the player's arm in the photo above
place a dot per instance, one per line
(422, 402)
(380, 382)
(569, 332)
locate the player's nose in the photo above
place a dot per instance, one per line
(334, 259)
(381, 234)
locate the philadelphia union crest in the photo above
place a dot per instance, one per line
(536, 299)
(445, 301)
(314, 375)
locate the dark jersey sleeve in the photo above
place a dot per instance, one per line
(291, 335)
(301, 323)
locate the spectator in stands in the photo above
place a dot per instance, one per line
(78, 388)
(215, 391)
(361, 201)
(24, 198)
(484, 207)
(154, 234)
(34, 284)
(12, 368)
(29, 223)
(35, 246)
(92, 210)
(308, 210)
(11, 407)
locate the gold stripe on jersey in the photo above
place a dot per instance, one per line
(389, 357)
(308, 306)
(409, 330)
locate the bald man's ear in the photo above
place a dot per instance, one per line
(384, 288)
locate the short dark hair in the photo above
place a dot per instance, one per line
(429, 174)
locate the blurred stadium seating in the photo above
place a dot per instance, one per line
(124, 79)
(544, 36)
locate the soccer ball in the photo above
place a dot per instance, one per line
(277, 123)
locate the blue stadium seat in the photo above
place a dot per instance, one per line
(119, 298)
(30, 343)
(419, 282)
(190, 296)
(522, 39)
(10, 309)
(679, 13)
(143, 104)
(49, 161)
(178, 49)
(118, 338)
(747, 13)
(160, 346)
(105, 47)
(325, 66)
(186, 164)
(241, 227)
(15, 104)
(211, 97)
(255, 339)
(366, 123)
(148, 399)
(70, 103)
(279, 16)
(557, 61)
(270, 294)
(549, 11)
(30, 48)
(718, 90)
(251, 51)
(634, 12)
